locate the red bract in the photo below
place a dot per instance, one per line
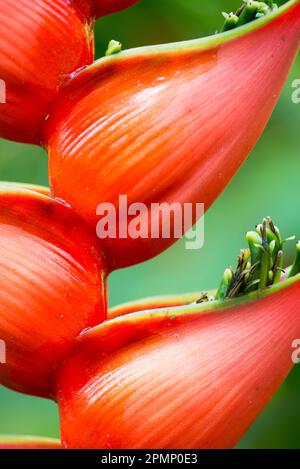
(168, 123)
(163, 301)
(27, 442)
(52, 286)
(98, 8)
(188, 377)
(41, 43)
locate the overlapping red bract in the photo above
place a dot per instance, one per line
(52, 286)
(42, 43)
(188, 377)
(98, 8)
(171, 124)
(17, 442)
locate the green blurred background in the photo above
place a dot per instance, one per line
(267, 184)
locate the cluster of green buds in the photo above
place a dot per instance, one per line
(259, 266)
(249, 11)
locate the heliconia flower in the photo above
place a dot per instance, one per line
(193, 376)
(52, 285)
(28, 442)
(98, 8)
(168, 123)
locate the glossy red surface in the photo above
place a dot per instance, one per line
(178, 377)
(52, 286)
(171, 124)
(42, 42)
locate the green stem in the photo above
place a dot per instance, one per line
(248, 12)
(295, 270)
(231, 21)
(224, 285)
